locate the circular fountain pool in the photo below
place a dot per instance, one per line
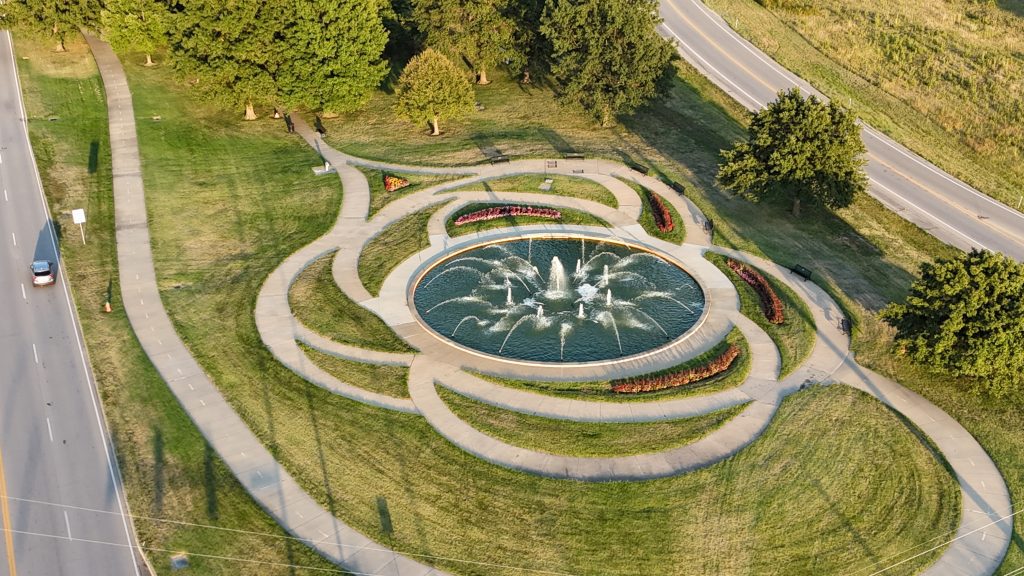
(558, 300)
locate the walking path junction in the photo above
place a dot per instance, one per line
(985, 527)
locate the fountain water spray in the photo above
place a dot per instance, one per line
(508, 296)
(605, 277)
(581, 314)
(579, 265)
(608, 297)
(540, 310)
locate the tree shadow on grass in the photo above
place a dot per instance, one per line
(691, 131)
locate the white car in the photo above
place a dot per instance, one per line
(42, 273)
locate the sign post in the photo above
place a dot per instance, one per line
(78, 217)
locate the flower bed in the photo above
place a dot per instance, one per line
(496, 212)
(719, 364)
(770, 303)
(392, 183)
(662, 217)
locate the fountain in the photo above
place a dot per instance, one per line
(562, 317)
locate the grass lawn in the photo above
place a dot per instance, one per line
(944, 79)
(182, 495)
(570, 186)
(583, 438)
(319, 304)
(601, 389)
(569, 216)
(678, 233)
(396, 242)
(795, 336)
(390, 380)
(380, 197)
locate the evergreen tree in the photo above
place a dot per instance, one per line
(478, 30)
(135, 26)
(432, 87)
(605, 54)
(801, 149)
(330, 54)
(56, 17)
(229, 50)
(966, 316)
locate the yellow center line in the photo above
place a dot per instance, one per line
(6, 513)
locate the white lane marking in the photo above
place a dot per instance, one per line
(927, 213)
(107, 446)
(35, 353)
(67, 523)
(14, 239)
(202, 402)
(190, 387)
(5, 195)
(23, 295)
(49, 428)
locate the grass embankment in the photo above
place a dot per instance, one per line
(379, 194)
(572, 187)
(678, 232)
(808, 497)
(602, 389)
(318, 303)
(943, 79)
(389, 380)
(182, 495)
(569, 216)
(795, 336)
(396, 242)
(583, 438)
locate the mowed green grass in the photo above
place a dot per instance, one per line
(569, 186)
(317, 302)
(807, 498)
(795, 337)
(942, 78)
(396, 242)
(587, 439)
(388, 380)
(182, 495)
(569, 216)
(678, 232)
(379, 194)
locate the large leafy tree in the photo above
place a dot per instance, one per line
(432, 87)
(228, 48)
(57, 17)
(966, 316)
(481, 31)
(800, 149)
(330, 54)
(606, 56)
(135, 25)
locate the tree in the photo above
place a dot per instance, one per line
(798, 148)
(135, 25)
(478, 30)
(430, 87)
(57, 17)
(606, 55)
(330, 52)
(229, 49)
(966, 316)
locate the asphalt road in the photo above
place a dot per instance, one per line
(63, 512)
(909, 185)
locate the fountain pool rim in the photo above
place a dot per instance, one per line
(438, 259)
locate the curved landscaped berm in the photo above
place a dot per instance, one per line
(511, 289)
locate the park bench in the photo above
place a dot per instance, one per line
(844, 326)
(501, 159)
(800, 271)
(709, 225)
(573, 156)
(638, 168)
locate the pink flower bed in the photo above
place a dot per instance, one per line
(496, 212)
(770, 303)
(662, 217)
(717, 365)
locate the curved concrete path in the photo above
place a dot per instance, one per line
(981, 544)
(254, 467)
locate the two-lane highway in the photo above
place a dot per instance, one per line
(61, 504)
(911, 186)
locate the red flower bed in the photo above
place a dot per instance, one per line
(496, 212)
(770, 303)
(719, 364)
(662, 217)
(392, 183)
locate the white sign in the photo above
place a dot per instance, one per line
(78, 216)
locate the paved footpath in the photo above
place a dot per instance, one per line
(982, 539)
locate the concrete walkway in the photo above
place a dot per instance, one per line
(259, 473)
(979, 549)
